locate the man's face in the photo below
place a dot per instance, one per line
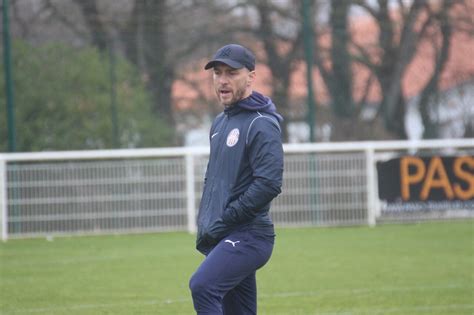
(232, 85)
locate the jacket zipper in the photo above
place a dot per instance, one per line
(218, 162)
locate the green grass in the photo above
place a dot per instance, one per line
(394, 269)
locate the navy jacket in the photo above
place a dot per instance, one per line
(244, 172)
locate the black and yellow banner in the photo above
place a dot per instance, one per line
(427, 183)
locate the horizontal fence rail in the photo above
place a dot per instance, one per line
(140, 190)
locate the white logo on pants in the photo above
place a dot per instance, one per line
(233, 243)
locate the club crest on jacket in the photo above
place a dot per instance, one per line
(233, 137)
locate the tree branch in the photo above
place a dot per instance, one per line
(63, 19)
(366, 7)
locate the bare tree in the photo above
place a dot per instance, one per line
(144, 36)
(441, 26)
(280, 63)
(95, 23)
(396, 51)
(160, 36)
(338, 77)
(401, 32)
(163, 37)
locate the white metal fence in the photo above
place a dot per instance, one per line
(123, 191)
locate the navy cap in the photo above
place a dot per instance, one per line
(234, 56)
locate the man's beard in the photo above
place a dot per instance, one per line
(237, 96)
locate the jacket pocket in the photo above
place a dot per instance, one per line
(217, 230)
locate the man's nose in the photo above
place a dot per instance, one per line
(223, 79)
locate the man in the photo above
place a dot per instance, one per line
(244, 174)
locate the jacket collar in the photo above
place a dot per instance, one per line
(233, 109)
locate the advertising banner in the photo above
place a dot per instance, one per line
(414, 183)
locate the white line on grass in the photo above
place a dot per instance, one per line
(96, 306)
(420, 308)
(360, 290)
(60, 261)
(402, 310)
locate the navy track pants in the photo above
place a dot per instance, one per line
(225, 281)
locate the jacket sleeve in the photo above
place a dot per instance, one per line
(265, 153)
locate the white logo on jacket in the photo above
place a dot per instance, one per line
(233, 137)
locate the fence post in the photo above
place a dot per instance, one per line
(371, 185)
(190, 192)
(3, 199)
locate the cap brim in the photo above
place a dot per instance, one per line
(230, 63)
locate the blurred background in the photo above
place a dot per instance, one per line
(347, 75)
(97, 74)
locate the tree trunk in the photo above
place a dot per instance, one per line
(280, 98)
(340, 78)
(146, 46)
(278, 65)
(430, 91)
(96, 26)
(395, 59)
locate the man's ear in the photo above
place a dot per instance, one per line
(251, 77)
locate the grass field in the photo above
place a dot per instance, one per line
(394, 269)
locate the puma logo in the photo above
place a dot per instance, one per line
(233, 243)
